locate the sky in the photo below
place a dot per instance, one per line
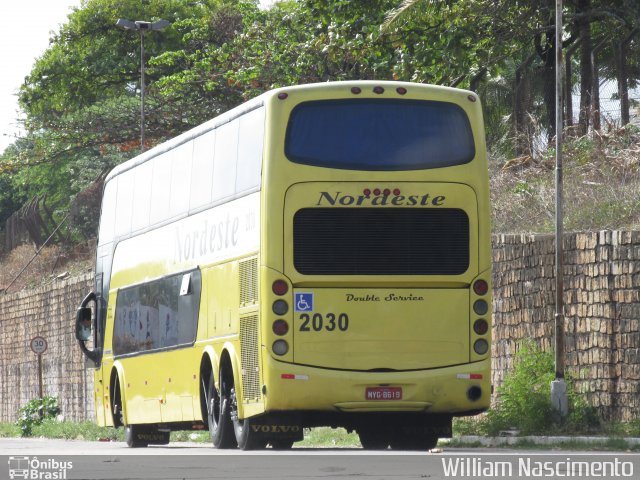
(24, 36)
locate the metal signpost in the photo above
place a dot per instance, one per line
(39, 346)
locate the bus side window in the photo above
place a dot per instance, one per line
(141, 197)
(225, 161)
(124, 204)
(188, 308)
(181, 161)
(159, 314)
(202, 170)
(250, 145)
(108, 215)
(160, 188)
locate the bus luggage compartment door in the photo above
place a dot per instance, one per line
(381, 329)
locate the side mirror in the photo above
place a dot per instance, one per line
(83, 324)
(83, 327)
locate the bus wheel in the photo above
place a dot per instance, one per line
(373, 439)
(218, 417)
(134, 436)
(116, 403)
(247, 438)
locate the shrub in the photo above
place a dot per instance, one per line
(524, 399)
(35, 412)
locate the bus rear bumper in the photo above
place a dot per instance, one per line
(455, 390)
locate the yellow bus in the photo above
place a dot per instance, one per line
(318, 256)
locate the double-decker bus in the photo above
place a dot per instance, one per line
(318, 256)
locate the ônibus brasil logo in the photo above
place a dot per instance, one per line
(35, 469)
(380, 199)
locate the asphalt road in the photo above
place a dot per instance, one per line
(59, 459)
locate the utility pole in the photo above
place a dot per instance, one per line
(558, 386)
(142, 27)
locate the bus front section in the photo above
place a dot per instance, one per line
(376, 303)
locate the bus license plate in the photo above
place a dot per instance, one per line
(383, 393)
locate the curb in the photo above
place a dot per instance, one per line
(540, 440)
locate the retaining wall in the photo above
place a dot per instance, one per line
(48, 312)
(602, 297)
(602, 311)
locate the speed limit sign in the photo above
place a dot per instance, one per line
(38, 345)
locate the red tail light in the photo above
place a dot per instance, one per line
(280, 327)
(480, 287)
(480, 327)
(280, 287)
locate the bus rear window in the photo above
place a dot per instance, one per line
(379, 134)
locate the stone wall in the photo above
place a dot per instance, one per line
(602, 311)
(48, 312)
(602, 296)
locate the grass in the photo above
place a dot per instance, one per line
(9, 430)
(314, 438)
(76, 431)
(477, 426)
(329, 438)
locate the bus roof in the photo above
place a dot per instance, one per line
(248, 106)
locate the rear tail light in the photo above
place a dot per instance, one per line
(481, 346)
(480, 327)
(480, 307)
(280, 287)
(401, 90)
(280, 347)
(356, 90)
(480, 287)
(280, 327)
(280, 307)
(378, 90)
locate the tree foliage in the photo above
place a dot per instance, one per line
(81, 99)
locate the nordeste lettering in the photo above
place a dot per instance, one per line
(346, 200)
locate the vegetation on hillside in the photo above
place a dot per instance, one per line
(601, 186)
(81, 99)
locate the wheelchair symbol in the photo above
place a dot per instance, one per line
(304, 302)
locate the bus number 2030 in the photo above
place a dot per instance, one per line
(329, 322)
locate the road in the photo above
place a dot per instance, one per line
(61, 459)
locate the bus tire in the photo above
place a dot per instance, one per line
(132, 435)
(247, 439)
(218, 417)
(373, 438)
(117, 409)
